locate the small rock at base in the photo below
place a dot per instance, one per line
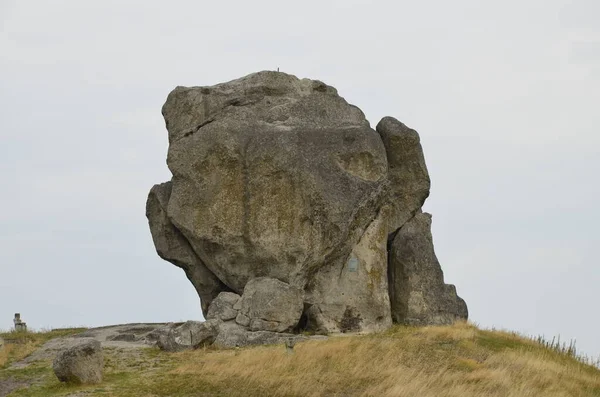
(81, 363)
(191, 334)
(222, 307)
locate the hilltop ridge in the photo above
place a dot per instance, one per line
(437, 361)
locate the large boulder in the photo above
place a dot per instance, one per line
(80, 363)
(417, 290)
(272, 175)
(277, 178)
(270, 305)
(408, 175)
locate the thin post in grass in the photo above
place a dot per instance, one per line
(289, 345)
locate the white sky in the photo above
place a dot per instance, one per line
(505, 95)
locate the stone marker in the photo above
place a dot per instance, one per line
(81, 363)
(289, 345)
(20, 326)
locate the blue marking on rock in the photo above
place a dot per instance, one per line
(353, 264)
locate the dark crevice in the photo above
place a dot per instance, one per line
(194, 130)
(304, 322)
(350, 321)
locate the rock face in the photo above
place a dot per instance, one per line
(271, 175)
(408, 176)
(284, 194)
(270, 305)
(222, 308)
(352, 295)
(172, 246)
(81, 363)
(417, 290)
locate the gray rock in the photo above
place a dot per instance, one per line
(222, 307)
(238, 305)
(234, 335)
(242, 320)
(271, 305)
(417, 291)
(122, 338)
(277, 178)
(409, 179)
(81, 363)
(191, 334)
(352, 295)
(272, 175)
(231, 335)
(154, 336)
(172, 246)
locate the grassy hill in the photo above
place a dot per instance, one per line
(455, 361)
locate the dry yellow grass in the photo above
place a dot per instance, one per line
(429, 362)
(460, 360)
(12, 352)
(21, 344)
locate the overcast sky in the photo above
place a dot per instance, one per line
(505, 95)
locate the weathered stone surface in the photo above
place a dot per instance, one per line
(417, 291)
(172, 246)
(154, 336)
(123, 338)
(271, 305)
(272, 175)
(353, 296)
(222, 307)
(408, 176)
(81, 363)
(234, 335)
(231, 335)
(242, 320)
(191, 334)
(277, 178)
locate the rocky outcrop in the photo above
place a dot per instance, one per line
(81, 363)
(271, 175)
(417, 291)
(262, 315)
(283, 193)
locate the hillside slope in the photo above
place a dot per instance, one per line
(455, 361)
